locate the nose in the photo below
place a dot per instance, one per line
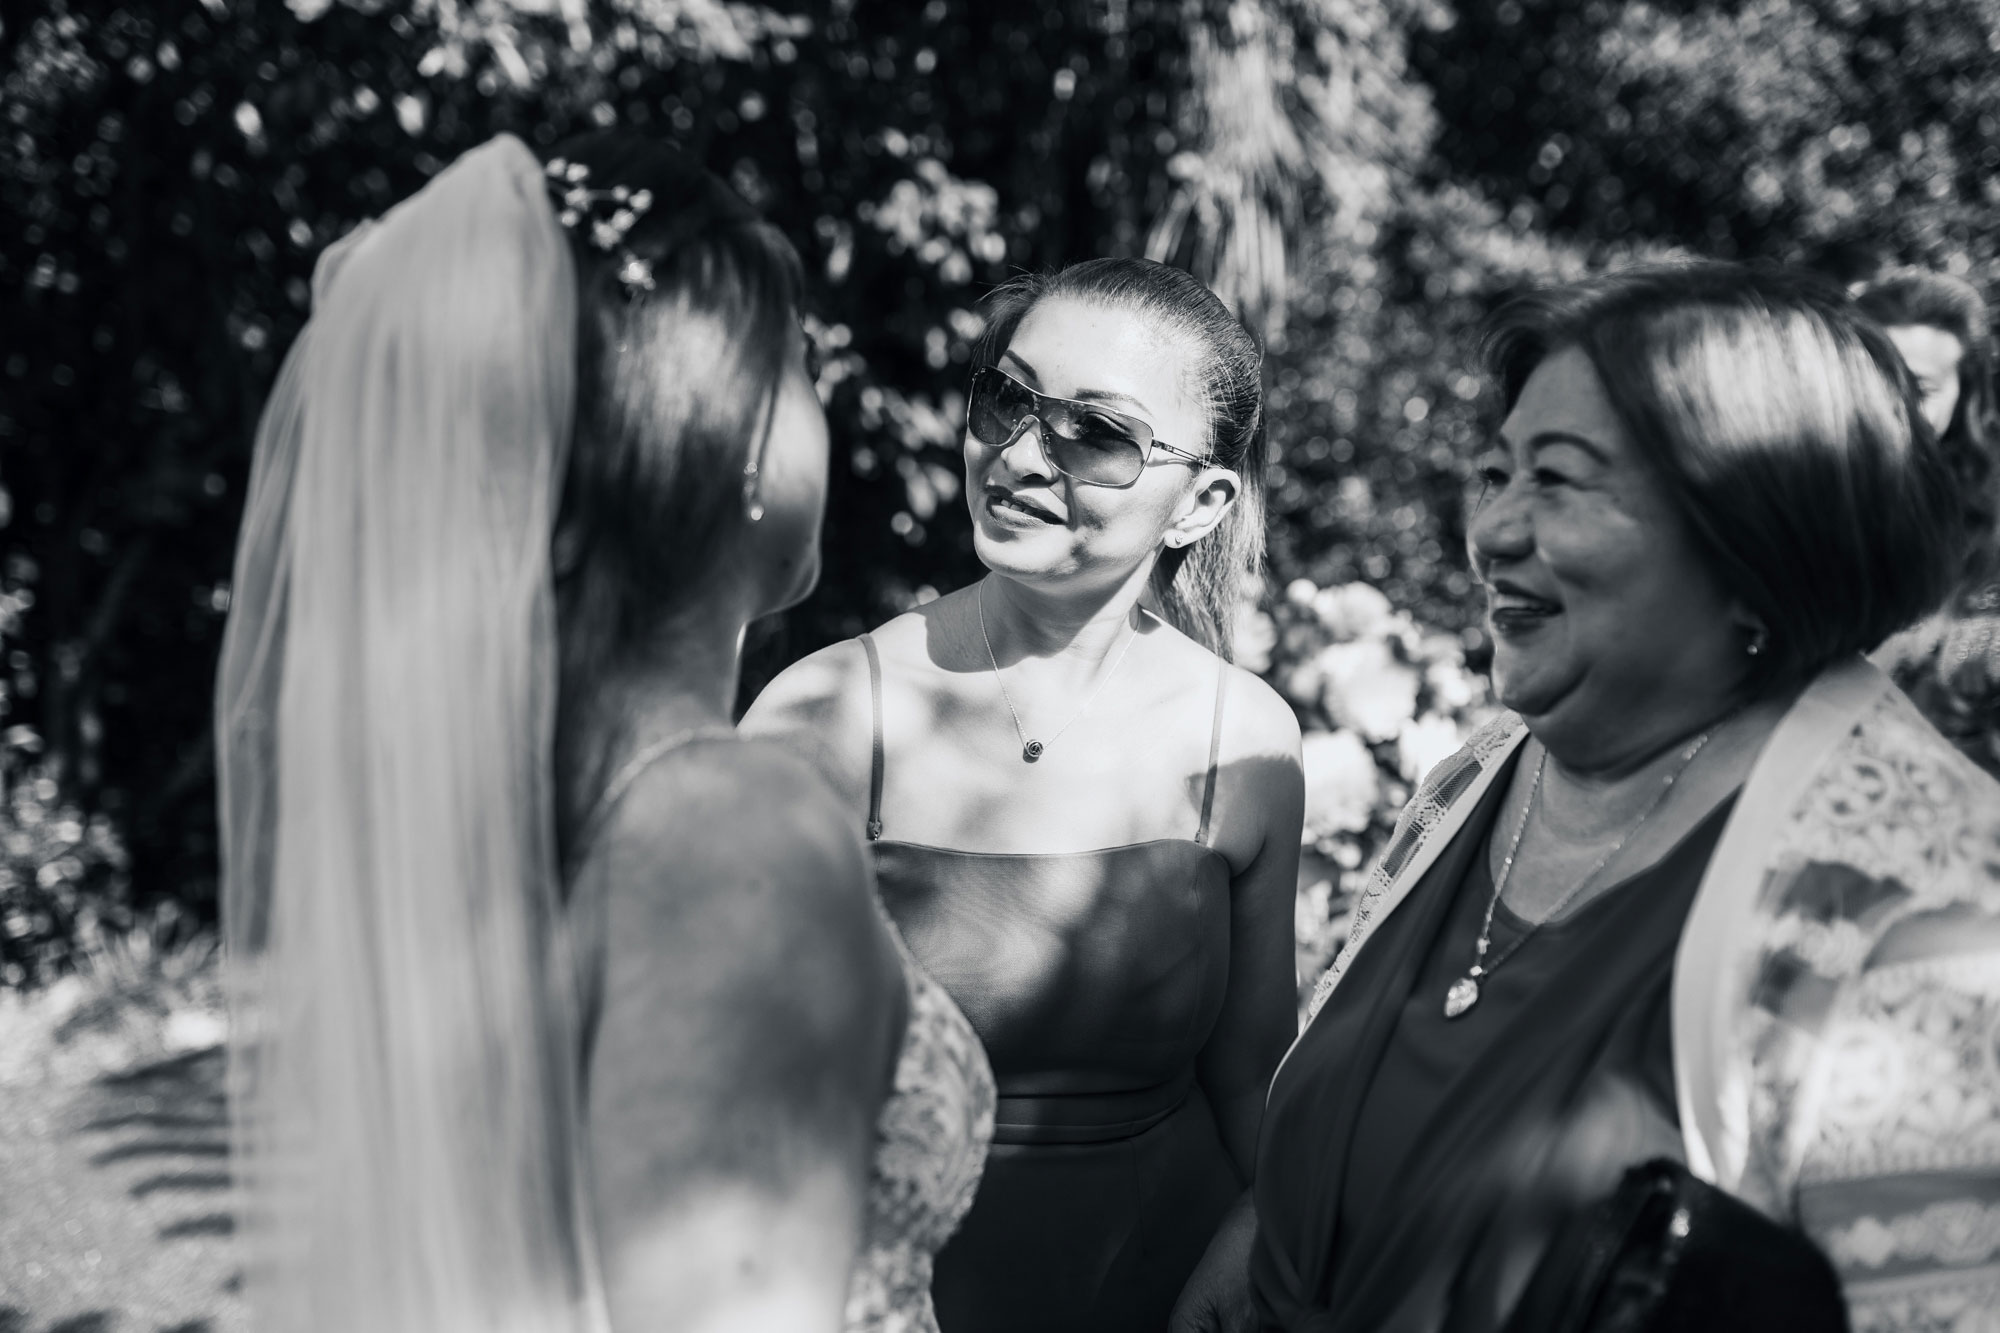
(1500, 531)
(1023, 453)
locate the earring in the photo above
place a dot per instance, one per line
(1756, 644)
(753, 504)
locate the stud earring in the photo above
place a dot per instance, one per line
(1756, 645)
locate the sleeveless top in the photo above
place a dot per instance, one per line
(930, 1135)
(1093, 979)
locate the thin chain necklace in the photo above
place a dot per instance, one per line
(1464, 992)
(1031, 750)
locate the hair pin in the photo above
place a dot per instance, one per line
(609, 214)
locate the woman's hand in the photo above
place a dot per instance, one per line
(1217, 1297)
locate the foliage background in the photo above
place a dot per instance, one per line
(1364, 178)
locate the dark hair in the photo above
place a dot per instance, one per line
(1917, 298)
(675, 389)
(1198, 586)
(1785, 430)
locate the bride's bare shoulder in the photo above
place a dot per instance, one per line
(734, 863)
(753, 808)
(751, 999)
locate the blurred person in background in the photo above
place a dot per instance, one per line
(1950, 662)
(557, 1006)
(1670, 1004)
(1085, 820)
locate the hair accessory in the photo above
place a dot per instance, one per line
(609, 214)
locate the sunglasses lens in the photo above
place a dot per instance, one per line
(997, 406)
(1093, 447)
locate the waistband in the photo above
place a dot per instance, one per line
(1087, 1117)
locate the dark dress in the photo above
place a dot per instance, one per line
(1094, 979)
(1413, 1167)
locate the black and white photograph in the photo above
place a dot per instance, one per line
(960, 666)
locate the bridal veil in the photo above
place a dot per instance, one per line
(404, 1065)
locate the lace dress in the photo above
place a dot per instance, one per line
(930, 1136)
(930, 1147)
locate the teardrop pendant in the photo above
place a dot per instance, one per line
(1464, 993)
(1031, 752)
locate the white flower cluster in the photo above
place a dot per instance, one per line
(1381, 700)
(611, 213)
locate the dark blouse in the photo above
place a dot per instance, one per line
(1413, 1166)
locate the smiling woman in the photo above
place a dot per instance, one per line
(1095, 817)
(1600, 947)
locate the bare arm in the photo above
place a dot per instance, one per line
(1261, 808)
(753, 1006)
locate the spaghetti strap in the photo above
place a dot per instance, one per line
(1214, 748)
(648, 755)
(875, 760)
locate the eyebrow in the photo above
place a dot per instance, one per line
(1083, 395)
(1548, 439)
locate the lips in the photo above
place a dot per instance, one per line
(1513, 608)
(1007, 504)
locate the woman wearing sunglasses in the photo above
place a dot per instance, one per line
(1086, 822)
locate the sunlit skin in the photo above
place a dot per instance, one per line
(1599, 603)
(792, 488)
(1933, 357)
(694, 1235)
(1075, 543)
(1612, 639)
(1126, 764)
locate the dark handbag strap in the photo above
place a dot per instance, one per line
(875, 755)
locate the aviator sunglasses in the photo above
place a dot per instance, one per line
(1083, 441)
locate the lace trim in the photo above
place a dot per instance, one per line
(931, 1140)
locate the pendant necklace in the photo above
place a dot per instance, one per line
(1464, 992)
(1031, 750)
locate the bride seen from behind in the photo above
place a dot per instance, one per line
(558, 1007)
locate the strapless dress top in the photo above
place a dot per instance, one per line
(1094, 980)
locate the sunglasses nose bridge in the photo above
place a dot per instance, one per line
(1030, 422)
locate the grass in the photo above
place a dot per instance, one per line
(114, 1186)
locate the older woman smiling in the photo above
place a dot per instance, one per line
(1712, 891)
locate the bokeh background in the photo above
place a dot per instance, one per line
(1363, 179)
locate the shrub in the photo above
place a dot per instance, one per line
(1381, 700)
